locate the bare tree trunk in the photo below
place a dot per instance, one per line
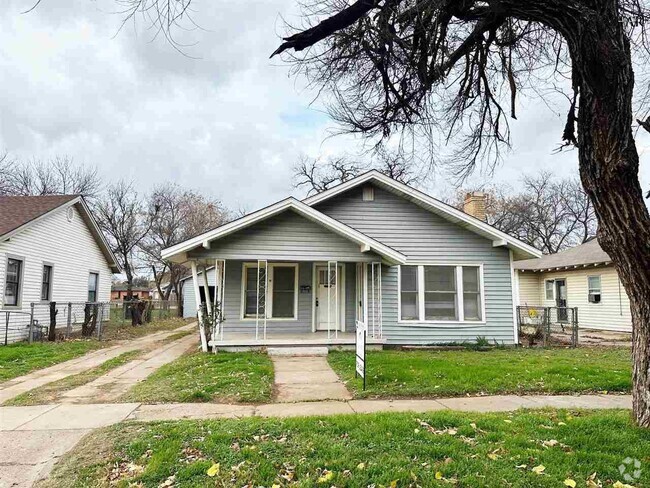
(51, 336)
(609, 165)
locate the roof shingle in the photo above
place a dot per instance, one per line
(588, 253)
(16, 211)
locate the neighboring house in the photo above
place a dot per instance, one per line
(372, 250)
(119, 291)
(50, 250)
(187, 291)
(582, 277)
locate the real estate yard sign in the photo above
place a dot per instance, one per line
(361, 352)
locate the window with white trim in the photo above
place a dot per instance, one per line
(548, 289)
(93, 284)
(46, 283)
(409, 292)
(441, 293)
(13, 279)
(594, 286)
(282, 293)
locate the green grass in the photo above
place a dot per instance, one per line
(379, 450)
(499, 371)
(22, 358)
(51, 392)
(201, 377)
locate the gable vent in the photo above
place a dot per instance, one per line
(368, 193)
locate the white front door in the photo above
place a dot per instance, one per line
(325, 320)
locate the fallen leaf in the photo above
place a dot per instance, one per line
(327, 476)
(438, 475)
(361, 466)
(539, 469)
(618, 484)
(570, 483)
(214, 470)
(393, 484)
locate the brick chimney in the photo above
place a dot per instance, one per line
(474, 205)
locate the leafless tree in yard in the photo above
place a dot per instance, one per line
(125, 221)
(57, 176)
(318, 174)
(546, 212)
(181, 214)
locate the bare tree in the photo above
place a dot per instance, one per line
(59, 175)
(548, 213)
(319, 175)
(125, 221)
(181, 214)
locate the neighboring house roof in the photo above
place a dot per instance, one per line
(435, 206)
(20, 212)
(583, 255)
(189, 275)
(177, 252)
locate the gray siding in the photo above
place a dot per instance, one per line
(289, 237)
(233, 301)
(426, 237)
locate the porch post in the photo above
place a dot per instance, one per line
(209, 311)
(197, 297)
(220, 292)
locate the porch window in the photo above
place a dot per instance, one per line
(409, 292)
(441, 293)
(280, 296)
(284, 292)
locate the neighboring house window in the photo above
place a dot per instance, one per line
(548, 289)
(409, 292)
(280, 296)
(593, 282)
(12, 282)
(46, 283)
(441, 293)
(93, 281)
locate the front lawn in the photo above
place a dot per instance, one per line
(499, 371)
(201, 377)
(524, 449)
(22, 358)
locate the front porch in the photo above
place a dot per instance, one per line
(262, 303)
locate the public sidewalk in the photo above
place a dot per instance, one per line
(40, 377)
(32, 439)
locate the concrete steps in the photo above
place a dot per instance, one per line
(297, 351)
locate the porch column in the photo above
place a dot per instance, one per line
(197, 296)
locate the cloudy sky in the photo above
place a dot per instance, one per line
(225, 120)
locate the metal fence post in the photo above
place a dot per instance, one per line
(7, 314)
(68, 331)
(100, 311)
(31, 323)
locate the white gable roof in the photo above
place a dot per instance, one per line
(178, 252)
(499, 238)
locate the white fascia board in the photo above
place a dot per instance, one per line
(441, 208)
(99, 236)
(265, 213)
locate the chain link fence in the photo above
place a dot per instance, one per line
(124, 311)
(548, 326)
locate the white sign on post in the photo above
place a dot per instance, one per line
(361, 352)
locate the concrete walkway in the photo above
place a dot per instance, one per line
(109, 387)
(33, 438)
(22, 384)
(306, 378)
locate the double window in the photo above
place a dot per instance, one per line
(441, 294)
(279, 299)
(593, 283)
(13, 278)
(46, 283)
(93, 284)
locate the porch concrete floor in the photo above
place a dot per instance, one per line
(276, 339)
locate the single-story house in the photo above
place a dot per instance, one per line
(119, 291)
(582, 277)
(372, 250)
(51, 249)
